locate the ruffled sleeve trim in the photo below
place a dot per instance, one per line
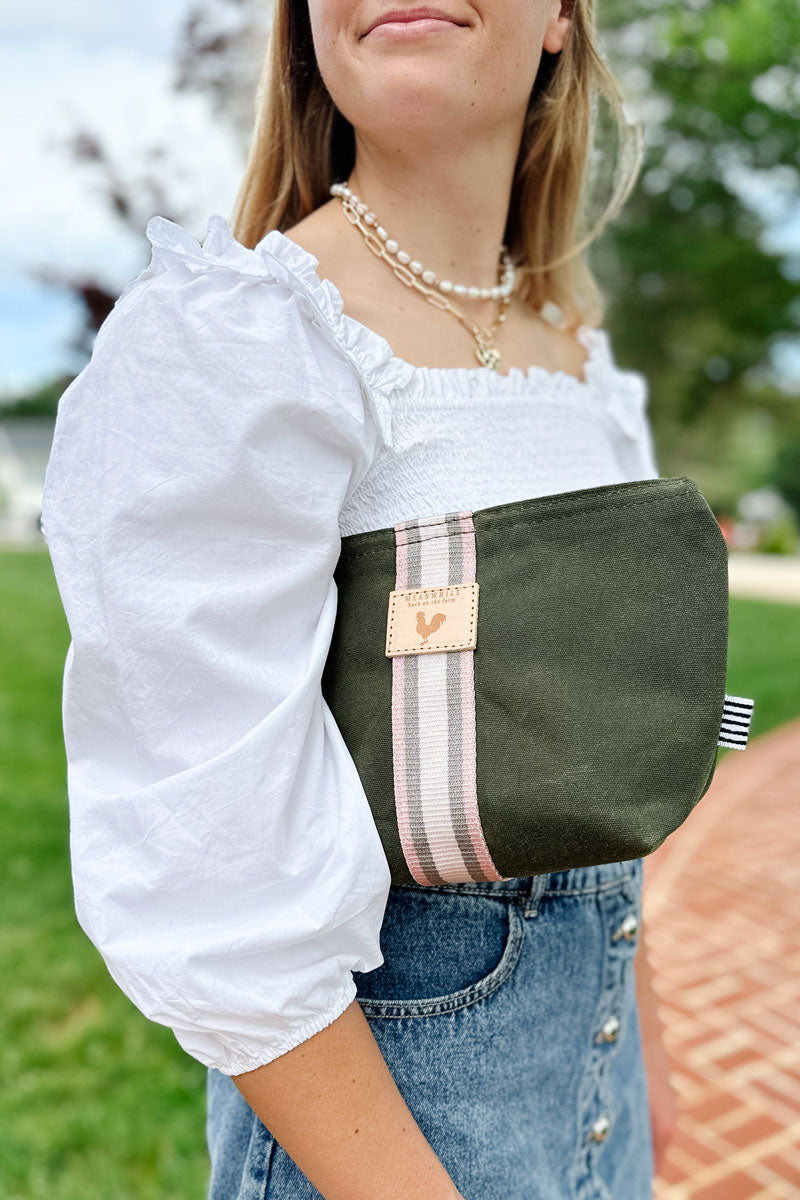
(276, 257)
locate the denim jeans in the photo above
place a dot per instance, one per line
(507, 1015)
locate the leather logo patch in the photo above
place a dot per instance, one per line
(430, 620)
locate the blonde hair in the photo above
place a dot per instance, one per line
(302, 143)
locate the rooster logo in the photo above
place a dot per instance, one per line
(424, 629)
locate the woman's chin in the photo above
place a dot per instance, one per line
(401, 88)
(427, 110)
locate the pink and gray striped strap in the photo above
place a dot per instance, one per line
(433, 719)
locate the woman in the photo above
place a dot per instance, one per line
(243, 410)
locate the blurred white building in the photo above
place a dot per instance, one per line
(25, 444)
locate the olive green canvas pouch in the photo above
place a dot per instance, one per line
(537, 685)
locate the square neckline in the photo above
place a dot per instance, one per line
(587, 335)
(619, 394)
(385, 373)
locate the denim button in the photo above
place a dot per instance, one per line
(610, 1030)
(600, 1128)
(628, 928)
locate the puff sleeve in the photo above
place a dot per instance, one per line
(643, 463)
(224, 857)
(627, 394)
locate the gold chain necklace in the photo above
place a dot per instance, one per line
(486, 354)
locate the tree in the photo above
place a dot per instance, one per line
(220, 47)
(697, 296)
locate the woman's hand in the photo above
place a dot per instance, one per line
(333, 1105)
(663, 1097)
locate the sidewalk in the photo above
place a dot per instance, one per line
(722, 912)
(766, 576)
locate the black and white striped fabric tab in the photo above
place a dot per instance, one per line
(735, 727)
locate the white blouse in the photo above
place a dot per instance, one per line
(232, 425)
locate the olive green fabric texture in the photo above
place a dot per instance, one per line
(600, 671)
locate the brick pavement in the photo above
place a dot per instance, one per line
(722, 912)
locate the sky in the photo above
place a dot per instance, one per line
(106, 67)
(90, 64)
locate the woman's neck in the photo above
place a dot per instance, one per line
(446, 209)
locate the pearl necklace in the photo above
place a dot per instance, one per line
(413, 274)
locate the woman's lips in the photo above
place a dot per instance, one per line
(404, 29)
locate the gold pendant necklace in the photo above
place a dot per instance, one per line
(487, 354)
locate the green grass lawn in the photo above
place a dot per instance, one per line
(98, 1103)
